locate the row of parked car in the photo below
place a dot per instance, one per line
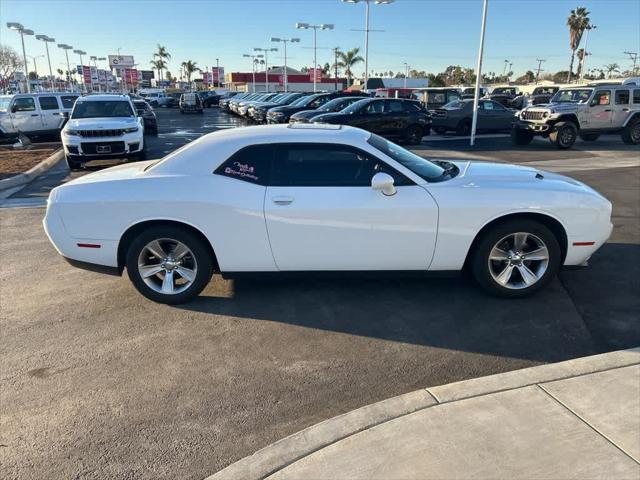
(396, 118)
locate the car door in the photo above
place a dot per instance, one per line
(370, 117)
(52, 116)
(600, 113)
(495, 116)
(395, 119)
(621, 107)
(25, 115)
(322, 213)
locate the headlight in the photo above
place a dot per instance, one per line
(71, 133)
(131, 130)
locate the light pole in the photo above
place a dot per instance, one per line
(80, 54)
(218, 71)
(35, 64)
(66, 49)
(23, 31)
(476, 94)
(285, 41)
(406, 73)
(266, 64)
(585, 52)
(322, 26)
(366, 32)
(253, 67)
(46, 41)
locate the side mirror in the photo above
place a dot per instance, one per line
(383, 182)
(14, 109)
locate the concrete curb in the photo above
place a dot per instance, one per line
(284, 452)
(32, 173)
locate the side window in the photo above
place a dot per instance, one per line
(622, 97)
(411, 107)
(486, 106)
(636, 96)
(374, 107)
(68, 101)
(602, 97)
(394, 107)
(250, 164)
(48, 103)
(326, 165)
(24, 104)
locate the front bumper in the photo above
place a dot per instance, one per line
(95, 148)
(277, 119)
(534, 127)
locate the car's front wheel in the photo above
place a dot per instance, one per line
(631, 133)
(564, 135)
(169, 265)
(516, 258)
(413, 135)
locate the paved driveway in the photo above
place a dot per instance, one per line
(98, 382)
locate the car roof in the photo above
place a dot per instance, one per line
(103, 98)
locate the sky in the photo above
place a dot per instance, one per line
(427, 34)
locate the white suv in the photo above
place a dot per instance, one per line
(103, 126)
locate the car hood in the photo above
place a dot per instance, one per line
(288, 109)
(102, 123)
(119, 172)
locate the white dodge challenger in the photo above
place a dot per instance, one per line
(322, 198)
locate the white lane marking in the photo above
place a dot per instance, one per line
(440, 138)
(23, 202)
(582, 164)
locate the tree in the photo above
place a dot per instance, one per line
(611, 68)
(528, 77)
(347, 60)
(9, 63)
(560, 77)
(436, 80)
(189, 68)
(33, 76)
(326, 69)
(162, 54)
(578, 21)
(168, 75)
(159, 65)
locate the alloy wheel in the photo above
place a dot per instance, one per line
(518, 260)
(167, 266)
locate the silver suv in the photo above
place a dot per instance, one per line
(586, 111)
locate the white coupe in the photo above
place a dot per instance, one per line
(288, 198)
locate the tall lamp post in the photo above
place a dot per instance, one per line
(285, 41)
(586, 52)
(366, 31)
(476, 95)
(406, 73)
(80, 54)
(35, 64)
(253, 67)
(66, 49)
(266, 51)
(23, 31)
(322, 26)
(46, 41)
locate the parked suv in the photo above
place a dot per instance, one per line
(103, 126)
(34, 114)
(391, 117)
(190, 102)
(585, 111)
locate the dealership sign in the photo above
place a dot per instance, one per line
(121, 61)
(317, 72)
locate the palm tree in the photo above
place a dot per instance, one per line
(189, 68)
(162, 54)
(159, 65)
(611, 68)
(347, 60)
(577, 22)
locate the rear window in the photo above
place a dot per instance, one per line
(48, 103)
(636, 96)
(251, 164)
(68, 101)
(622, 97)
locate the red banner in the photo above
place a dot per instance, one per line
(317, 72)
(86, 74)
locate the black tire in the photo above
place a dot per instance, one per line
(201, 255)
(564, 135)
(520, 136)
(72, 163)
(481, 265)
(413, 135)
(464, 128)
(631, 133)
(440, 130)
(589, 137)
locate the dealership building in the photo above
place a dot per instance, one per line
(296, 81)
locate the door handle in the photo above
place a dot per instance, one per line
(35, 115)
(282, 200)
(607, 110)
(625, 109)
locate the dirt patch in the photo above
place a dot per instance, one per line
(13, 162)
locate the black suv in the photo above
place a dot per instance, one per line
(258, 110)
(332, 106)
(390, 117)
(310, 102)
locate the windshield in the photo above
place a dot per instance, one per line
(301, 101)
(355, 107)
(96, 109)
(455, 105)
(4, 103)
(574, 95)
(418, 165)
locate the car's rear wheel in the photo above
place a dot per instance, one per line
(440, 130)
(413, 135)
(516, 258)
(464, 127)
(169, 265)
(564, 135)
(631, 133)
(520, 136)
(589, 137)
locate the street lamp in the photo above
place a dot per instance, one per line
(266, 64)
(586, 53)
(253, 67)
(366, 32)
(35, 65)
(23, 31)
(285, 41)
(66, 49)
(46, 41)
(406, 73)
(80, 54)
(322, 26)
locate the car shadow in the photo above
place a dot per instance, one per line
(448, 313)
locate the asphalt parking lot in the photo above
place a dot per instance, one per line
(98, 382)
